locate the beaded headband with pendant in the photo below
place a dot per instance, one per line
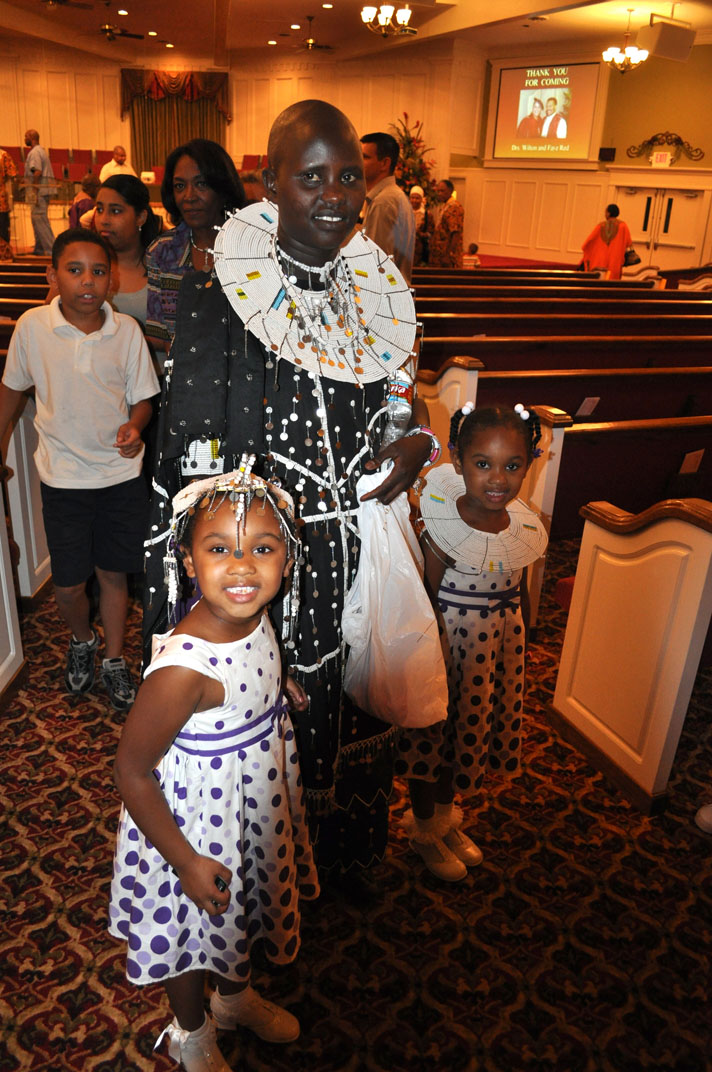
(240, 488)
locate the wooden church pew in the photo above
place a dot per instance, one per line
(567, 351)
(545, 304)
(636, 463)
(543, 324)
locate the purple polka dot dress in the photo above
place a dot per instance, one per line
(481, 617)
(232, 780)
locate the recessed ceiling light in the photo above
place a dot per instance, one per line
(327, 6)
(122, 11)
(271, 42)
(153, 33)
(169, 45)
(295, 26)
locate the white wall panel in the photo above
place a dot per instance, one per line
(382, 102)
(284, 94)
(61, 111)
(307, 89)
(520, 219)
(263, 112)
(10, 120)
(88, 118)
(115, 131)
(551, 215)
(412, 93)
(586, 212)
(237, 140)
(494, 194)
(350, 93)
(33, 102)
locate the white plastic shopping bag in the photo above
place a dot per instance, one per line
(395, 669)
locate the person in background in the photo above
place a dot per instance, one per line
(315, 417)
(472, 516)
(83, 199)
(213, 827)
(124, 217)
(200, 186)
(423, 224)
(93, 381)
(605, 247)
(446, 240)
(39, 187)
(8, 171)
(117, 165)
(530, 126)
(388, 218)
(470, 259)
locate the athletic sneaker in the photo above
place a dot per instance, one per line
(79, 672)
(117, 682)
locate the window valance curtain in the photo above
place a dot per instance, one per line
(190, 85)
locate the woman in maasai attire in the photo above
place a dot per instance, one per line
(295, 368)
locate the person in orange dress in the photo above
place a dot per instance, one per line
(605, 247)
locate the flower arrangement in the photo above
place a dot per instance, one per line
(413, 167)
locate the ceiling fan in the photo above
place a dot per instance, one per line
(309, 44)
(111, 32)
(49, 4)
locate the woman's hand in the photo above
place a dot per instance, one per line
(197, 877)
(409, 454)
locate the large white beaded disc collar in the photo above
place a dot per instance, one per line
(359, 328)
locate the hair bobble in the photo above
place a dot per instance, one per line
(523, 413)
(467, 408)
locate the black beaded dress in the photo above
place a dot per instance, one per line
(312, 435)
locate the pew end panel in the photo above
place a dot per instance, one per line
(639, 616)
(25, 504)
(538, 491)
(445, 390)
(12, 659)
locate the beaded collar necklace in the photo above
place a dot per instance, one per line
(359, 327)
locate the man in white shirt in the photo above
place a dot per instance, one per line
(388, 218)
(117, 165)
(554, 125)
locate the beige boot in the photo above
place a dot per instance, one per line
(426, 838)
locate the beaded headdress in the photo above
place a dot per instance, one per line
(240, 488)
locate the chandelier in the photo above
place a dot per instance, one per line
(380, 20)
(627, 58)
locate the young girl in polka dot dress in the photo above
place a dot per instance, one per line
(212, 840)
(477, 539)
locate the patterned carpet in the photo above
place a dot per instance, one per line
(581, 944)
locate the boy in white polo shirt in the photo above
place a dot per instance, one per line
(93, 379)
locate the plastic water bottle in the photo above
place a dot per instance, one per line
(399, 407)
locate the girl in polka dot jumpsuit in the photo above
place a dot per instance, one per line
(476, 540)
(212, 844)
